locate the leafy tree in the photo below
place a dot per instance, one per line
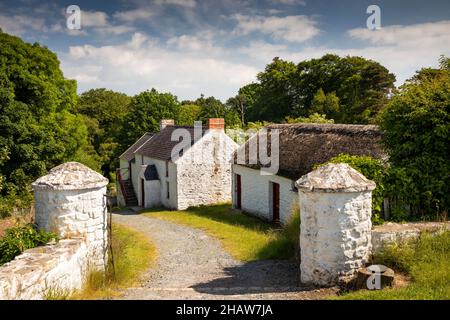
(188, 114)
(354, 89)
(416, 128)
(37, 129)
(214, 108)
(326, 104)
(104, 111)
(145, 112)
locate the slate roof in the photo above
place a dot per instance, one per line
(303, 145)
(128, 155)
(160, 145)
(151, 173)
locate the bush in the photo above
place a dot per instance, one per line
(19, 239)
(372, 169)
(15, 204)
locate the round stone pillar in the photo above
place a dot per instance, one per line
(70, 201)
(335, 229)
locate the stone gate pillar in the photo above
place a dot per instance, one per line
(70, 201)
(335, 228)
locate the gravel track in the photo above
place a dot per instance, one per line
(193, 265)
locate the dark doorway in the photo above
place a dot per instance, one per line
(276, 202)
(238, 192)
(142, 193)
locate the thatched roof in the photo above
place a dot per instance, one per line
(303, 145)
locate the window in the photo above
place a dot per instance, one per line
(167, 168)
(167, 189)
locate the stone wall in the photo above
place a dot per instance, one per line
(70, 201)
(390, 233)
(43, 271)
(256, 193)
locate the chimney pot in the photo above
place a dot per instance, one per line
(216, 124)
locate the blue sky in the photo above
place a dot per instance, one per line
(189, 47)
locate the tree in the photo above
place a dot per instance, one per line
(145, 112)
(416, 128)
(312, 118)
(239, 104)
(360, 87)
(188, 114)
(214, 108)
(326, 104)
(37, 129)
(104, 111)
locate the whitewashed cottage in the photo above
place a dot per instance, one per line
(301, 146)
(199, 174)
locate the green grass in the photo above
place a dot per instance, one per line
(133, 253)
(245, 238)
(426, 260)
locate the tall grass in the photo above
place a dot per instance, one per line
(133, 253)
(426, 260)
(245, 238)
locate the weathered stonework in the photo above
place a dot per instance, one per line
(50, 270)
(70, 201)
(335, 231)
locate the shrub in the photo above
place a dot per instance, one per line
(19, 239)
(372, 169)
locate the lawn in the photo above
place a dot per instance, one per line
(133, 253)
(245, 238)
(426, 260)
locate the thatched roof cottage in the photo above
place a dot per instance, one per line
(301, 146)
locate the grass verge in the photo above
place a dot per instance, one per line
(426, 260)
(245, 238)
(133, 253)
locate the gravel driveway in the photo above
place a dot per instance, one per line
(193, 265)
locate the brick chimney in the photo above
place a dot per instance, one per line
(166, 122)
(216, 124)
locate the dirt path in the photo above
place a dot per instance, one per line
(192, 265)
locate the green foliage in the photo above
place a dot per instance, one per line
(214, 108)
(372, 169)
(189, 113)
(103, 113)
(15, 204)
(416, 127)
(19, 239)
(144, 114)
(426, 260)
(37, 129)
(348, 89)
(313, 118)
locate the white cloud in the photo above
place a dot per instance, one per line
(143, 63)
(183, 3)
(290, 28)
(134, 15)
(18, 24)
(292, 2)
(94, 19)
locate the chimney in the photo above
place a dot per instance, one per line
(166, 122)
(216, 124)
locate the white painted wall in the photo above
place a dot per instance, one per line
(160, 165)
(204, 171)
(256, 193)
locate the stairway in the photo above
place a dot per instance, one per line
(129, 194)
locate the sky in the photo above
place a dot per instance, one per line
(212, 47)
